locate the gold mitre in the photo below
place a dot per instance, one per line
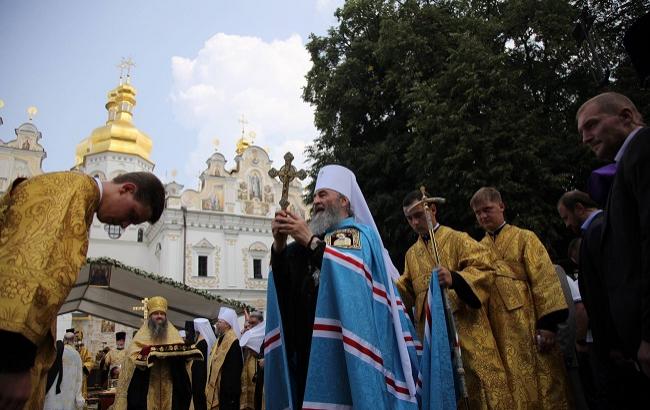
(157, 304)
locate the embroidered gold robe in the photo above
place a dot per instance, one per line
(526, 288)
(44, 227)
(87, 363)
(215, 369)
(485, 375)
(145, 352)
(247, 400)
(114, 358)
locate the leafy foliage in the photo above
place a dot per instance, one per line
(460, 94)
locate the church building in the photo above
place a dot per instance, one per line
(215, 238)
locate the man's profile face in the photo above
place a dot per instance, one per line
(222, 326)
(570, 219)
(604, 133)
(489, 214)
(121, 208)
(417, 218)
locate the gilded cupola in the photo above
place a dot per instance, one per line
(119, 134)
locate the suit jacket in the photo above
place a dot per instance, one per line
(593, 290)
(626, 244)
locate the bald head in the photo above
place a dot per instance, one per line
(605, 121)
(612, 103)
(68, 338)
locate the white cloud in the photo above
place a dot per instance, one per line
(234, 75)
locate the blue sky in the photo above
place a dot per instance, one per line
(199, 66)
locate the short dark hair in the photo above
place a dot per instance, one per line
(572, 198)
(150, 192)
(485, 194)
(411, 197)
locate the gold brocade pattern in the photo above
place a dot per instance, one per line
(526, 288)
(87, 362)
(217, 357)
(159, 395)
(247, 399)
(485, 375)
(44, 227)
(114, 358)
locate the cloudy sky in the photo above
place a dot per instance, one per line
(200, 66)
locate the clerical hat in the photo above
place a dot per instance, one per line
(120, 336)
(71, 330)
(157, 304)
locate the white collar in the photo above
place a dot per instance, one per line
(100, 186)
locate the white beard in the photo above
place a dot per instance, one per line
(326, 219)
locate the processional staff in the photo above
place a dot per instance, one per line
(449, 317)
(286, 174)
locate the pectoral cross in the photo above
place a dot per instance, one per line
(286, 174)
(143, 308)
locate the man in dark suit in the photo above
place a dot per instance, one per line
(603, 385)
(614, 129)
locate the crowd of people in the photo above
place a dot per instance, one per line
(347, 328)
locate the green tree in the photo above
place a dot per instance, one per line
(456, 95)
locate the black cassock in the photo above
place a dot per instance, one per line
(230, 386)
(199, 377)
(181, 387)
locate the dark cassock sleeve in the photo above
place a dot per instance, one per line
(259, 381)
(230, 387)
(199, 377)
(138, 388)
(181, 385)
(297, 293)
(23, 352)
(464, 291)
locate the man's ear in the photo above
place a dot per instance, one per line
(129, 187)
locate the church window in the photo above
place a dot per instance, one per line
(140, 234)
(113, 231)
(203, 265)
(257, 268)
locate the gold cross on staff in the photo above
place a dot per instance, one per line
(143, 308)
(286, 174)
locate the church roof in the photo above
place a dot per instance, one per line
(109, 289)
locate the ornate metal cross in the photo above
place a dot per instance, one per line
(286, 174)
(143, 308)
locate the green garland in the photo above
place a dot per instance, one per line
(237, 305)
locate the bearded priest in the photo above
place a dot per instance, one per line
(154, 373)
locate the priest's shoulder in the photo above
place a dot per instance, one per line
(63, 180)
(348, 237)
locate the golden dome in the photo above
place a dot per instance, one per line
(118, 134)
(242, 144)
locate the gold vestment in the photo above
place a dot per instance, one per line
(145, 352)
(87, 363)
(484, 372)
(217, 357)
(526, 288)
(44, 227)
(114, 358)
(247, 399)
